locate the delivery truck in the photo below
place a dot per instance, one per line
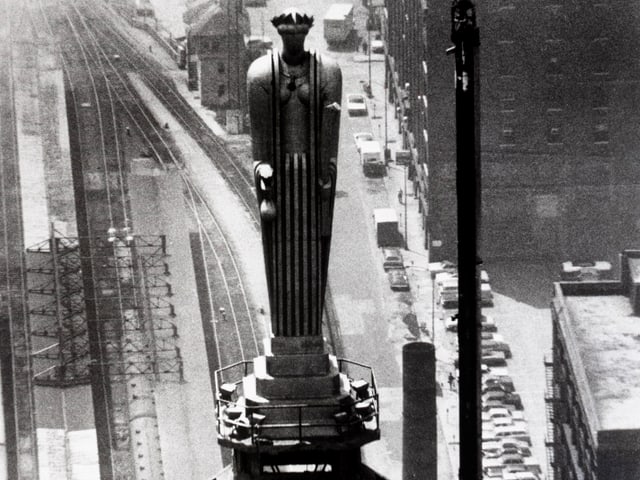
(386, 223)
(338, 24)
(372, 160)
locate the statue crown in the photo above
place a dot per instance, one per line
(292, 20)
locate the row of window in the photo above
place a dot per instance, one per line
(554, 135)
(573, 412)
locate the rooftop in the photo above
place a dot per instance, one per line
(607, 335)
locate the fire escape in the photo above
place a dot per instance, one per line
(551, 396)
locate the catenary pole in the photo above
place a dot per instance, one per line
(466, 40)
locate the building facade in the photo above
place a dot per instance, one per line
(559, 105)
(594, 434)
(219, 57)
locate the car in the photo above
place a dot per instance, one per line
(501, 412)
(491, 336)
(503, 380)
(486, 295)
(524, 475)
(519, 432)
(497, 346)
(377, 44)
(360, 137)
(439, 267)
(505, 399)
(356, 104)
(493, 358)
(487, 323)
(585, 270)
(448, 293)
(392, 259)
(398, 280)
(498, 448)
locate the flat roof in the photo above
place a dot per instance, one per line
(607, 337)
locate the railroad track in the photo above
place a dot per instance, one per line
(15, 342)
(239, 179)
(225, 276)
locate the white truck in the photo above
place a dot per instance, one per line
(338, 24)
(372, 160)
(386, 223)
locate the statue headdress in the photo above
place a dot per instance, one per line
(292, 20)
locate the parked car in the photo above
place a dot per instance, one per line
(496, 346)
(491, 336)
(486, 295)
(504, 381)
(398, 280)
(493, 358)
(356, 104)
(501, 412)
(585, 270)
(519, 432)
(360, 137)
(510, 475)
(392, 258)
(515, 446)
(487, 323)
(498, 448)
(377, 45)
(505, 398)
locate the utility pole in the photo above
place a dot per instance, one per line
(466, 40)
(369, 52)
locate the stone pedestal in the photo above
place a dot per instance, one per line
(298, 394)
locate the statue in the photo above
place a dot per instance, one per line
(294, 109)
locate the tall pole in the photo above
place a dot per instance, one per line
(369, 52)
(466, 40)
(406, 239)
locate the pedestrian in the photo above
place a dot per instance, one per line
(451, 379)
(128, 131)
(400, 194)
(365, 47)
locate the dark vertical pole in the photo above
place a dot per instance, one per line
(419, 430)
(466, 39)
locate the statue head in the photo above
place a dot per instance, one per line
(293, 26)
(292, 21)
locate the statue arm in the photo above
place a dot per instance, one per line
(331, 99)
(331, 96)
(261, 121)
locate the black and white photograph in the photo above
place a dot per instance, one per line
(319, 239)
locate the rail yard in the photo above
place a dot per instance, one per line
(98, 274)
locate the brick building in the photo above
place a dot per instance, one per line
(218, 56)
(595, 391)
(559, 109)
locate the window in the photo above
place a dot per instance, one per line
(221, 90)
(554, 50)
(508, 138)
(601, 133)
(600, 56)
(554, 135)
(221, 68)
(508, 104)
